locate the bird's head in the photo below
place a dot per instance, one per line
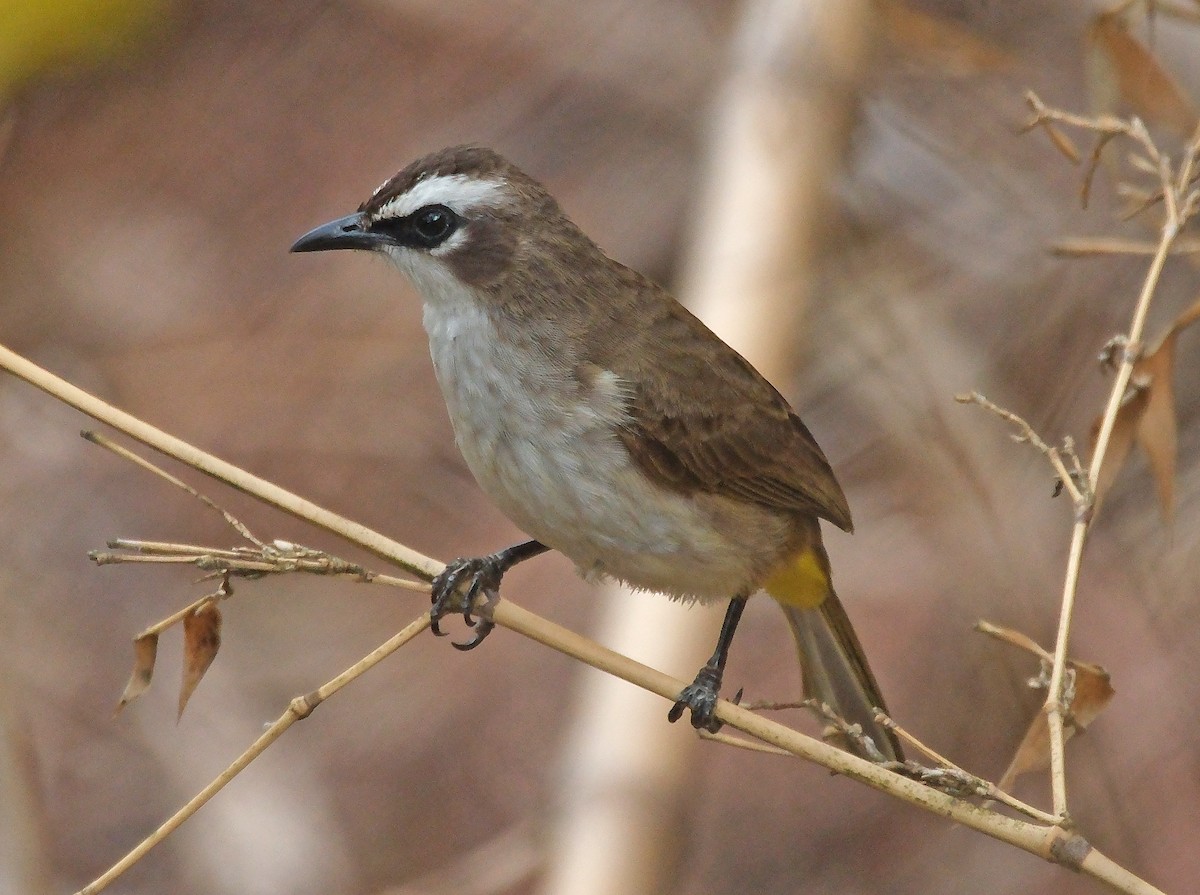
(461, 217)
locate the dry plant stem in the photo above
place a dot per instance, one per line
(740, 743)
(174, 618)
(386, 548)
(123, 452)
(1178, 205)
(903, 734)
(1049, 842)
(299, 709)
(217, 559)
(1027, 434)
(986, 788)
(1054, 708)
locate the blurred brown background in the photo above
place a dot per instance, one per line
(146, 206)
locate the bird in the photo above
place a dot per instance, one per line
(611, 425)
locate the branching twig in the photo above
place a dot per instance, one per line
(278, 557)
(1173, 204)
(1179, 201)
(109, 445)
(263, 559)
(978, 786)
(1070, 479)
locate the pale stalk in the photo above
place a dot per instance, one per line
(1050, 842)
(1054, 708)
(267, 492)
(298, 709)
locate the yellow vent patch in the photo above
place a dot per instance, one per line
(802, 582)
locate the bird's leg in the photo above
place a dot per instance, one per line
(484, 573)
(701, 694)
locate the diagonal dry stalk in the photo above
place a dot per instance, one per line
(1051, 842)
(298, 709)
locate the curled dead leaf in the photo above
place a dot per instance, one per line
(1156, 429)
(145, 653)
(1093, 691)
(1090, 693)
(1013, 637)
(1147, 417)
(201, 640)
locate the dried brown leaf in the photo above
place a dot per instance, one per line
(1014, 638)
(935, 41)
(1092, 691)
(1033, 754)
(1147, 417)
(1122, 72)
(145, 653)
(201, 640)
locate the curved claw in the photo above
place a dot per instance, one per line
(484, 574)
(435, 626)
(700, 697)
(482, 629)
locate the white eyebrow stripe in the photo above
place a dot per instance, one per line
(456, 191)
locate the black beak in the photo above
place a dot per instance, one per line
(349, 232)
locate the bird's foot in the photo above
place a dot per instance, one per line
(484, 573)
(700, 696)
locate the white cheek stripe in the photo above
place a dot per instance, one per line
(456, 191)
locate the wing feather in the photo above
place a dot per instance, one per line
(701, 418)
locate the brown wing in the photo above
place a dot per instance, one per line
(703, 419)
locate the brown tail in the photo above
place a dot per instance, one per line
(835, 671)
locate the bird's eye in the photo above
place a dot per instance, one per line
(432, 225)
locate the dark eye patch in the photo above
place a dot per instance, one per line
(425, 228)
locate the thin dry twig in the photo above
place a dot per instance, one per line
(978, 786)
(741, 743)
(1069, 478)
(278, 557)
(298, 709)
(948, 777)
(1106, 128)
(1052, 842)
(109, 445)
